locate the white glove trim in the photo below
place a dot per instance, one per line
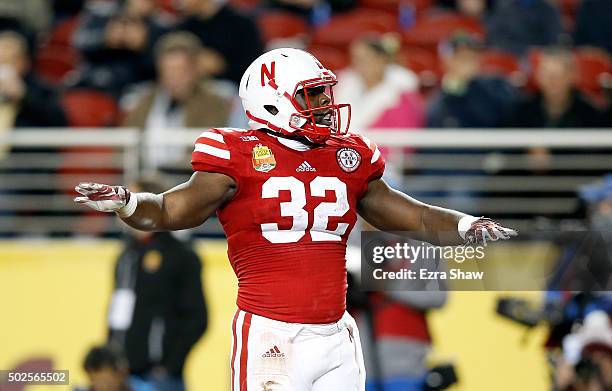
(464, 225)
(129, 208)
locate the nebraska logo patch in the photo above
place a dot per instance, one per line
(348, 159)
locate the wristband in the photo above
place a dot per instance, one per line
(464, 224)
(129, 208)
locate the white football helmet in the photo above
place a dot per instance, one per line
(269, 87)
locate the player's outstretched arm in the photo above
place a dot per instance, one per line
(185, 206)
(390, 210)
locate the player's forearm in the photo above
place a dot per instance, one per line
(149, 212)
(391, 210)
(441, 225)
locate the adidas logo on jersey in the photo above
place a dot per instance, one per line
(273, 352)
(305, 167)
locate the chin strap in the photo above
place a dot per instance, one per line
(300, 138)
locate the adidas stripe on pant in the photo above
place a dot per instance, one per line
(276, 356)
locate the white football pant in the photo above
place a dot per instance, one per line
(269, 355)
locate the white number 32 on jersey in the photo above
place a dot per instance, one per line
(295, 209)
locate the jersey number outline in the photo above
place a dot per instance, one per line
(295, 208)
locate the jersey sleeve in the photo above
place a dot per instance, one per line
(213, 153)
(375, 159)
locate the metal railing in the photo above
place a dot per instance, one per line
(513, 174)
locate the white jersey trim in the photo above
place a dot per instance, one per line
(214, 151)
(375, 156)
(213, 136)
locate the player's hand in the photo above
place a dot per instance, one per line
(483, 230)
(103, 198)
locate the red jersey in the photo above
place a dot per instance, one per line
(290, 217)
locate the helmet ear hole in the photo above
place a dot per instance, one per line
(271, 109)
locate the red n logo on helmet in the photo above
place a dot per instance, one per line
(268, 73)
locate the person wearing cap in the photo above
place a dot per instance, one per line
(466, 98)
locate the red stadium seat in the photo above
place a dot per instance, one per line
(169, 6)
(568, 10)
(331, 57)
(344, 28)
(594, 69)
(394, 5)
(430, 30)
(422, 62)
(280, 25)
(89, 108)
(499, 62)
(245, 5)
(53, 62)
(62, 33)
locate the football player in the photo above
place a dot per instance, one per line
(287, 192)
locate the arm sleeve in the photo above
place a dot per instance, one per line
(213, 153)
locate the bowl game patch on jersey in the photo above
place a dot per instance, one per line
(263, 158)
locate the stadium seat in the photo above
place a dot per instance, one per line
(61, 35)
(345, 28)
(245, 5)
(569, 9)
(594, 69)
(331, 57)
(169, 6)
(429, 30)
(54, 62)
(499, 62)
(89, 108)
(422, 62)
(281, 25)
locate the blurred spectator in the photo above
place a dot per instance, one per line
(475, 8)
(116, 41)
(108, 370)
(24, 101)
(382, 94)
(515, 25)
(587, 356)
(598, 197)
(158, 311)
(231, 40)
(468, 99)
(177, 100)
(558, 104)
(26, 16)
(594, 24)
